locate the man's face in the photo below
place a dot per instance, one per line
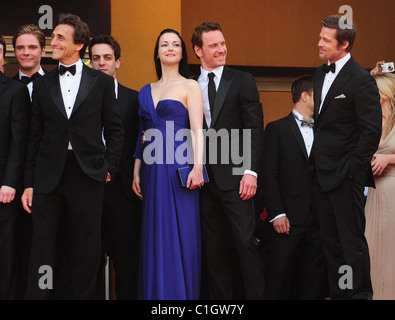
(1, 58)
(103, 59)
(63, 46)
(213, 52)
(329, 47)
(28, 52)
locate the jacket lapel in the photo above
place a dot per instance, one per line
(53, 85)
(88, 80)
(320, 76)
(122, 101)
(226, 82)
(296, 132)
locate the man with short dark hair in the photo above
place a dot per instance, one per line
(14, 113)
(121, 207)
(347, 116)
(68, 164)
(296, 261)
(231, 108)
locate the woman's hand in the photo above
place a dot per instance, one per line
(379, 163)
(195, 177)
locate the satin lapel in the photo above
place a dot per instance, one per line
(320, 76)
(122, 101)
(226, 82)
(88, 80)
(205, 126)
(296, 132)
(53, 85)
(341, 79)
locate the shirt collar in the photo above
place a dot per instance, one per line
(341, 62)
(21, 74)
(217, 71)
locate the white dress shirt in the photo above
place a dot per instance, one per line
(30, 84)
(203, 82)
(306, 131)
(69, 86)
(331, 76)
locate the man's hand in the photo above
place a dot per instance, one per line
(7, 194)
(282, 225)
(27, 199)
(248, 186)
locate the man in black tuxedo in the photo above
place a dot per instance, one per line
(29, 47)
(121, 207)
(67, 164)
(347, 117)
(296, 260)
(14, 115)
(227, 200)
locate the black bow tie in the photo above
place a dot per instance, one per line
(305, 122)
(27, 80)
(63, 69)
(331, 67)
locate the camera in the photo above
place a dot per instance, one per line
(387, 67)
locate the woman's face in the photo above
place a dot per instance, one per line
(170, 48)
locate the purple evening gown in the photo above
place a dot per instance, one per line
(170, 244)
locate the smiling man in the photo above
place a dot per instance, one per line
(231, 103)
(347, 133)
(29, 48)
(68, 164)
(121, 207)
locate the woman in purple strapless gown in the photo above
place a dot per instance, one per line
(170, 110)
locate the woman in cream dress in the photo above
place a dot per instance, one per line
(380, 205)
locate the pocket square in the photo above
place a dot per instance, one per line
(342, 96)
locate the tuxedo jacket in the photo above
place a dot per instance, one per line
(237, 107)
(14, 123)
(50, 130)
(287, 183)
(348, 128)
(128, 106)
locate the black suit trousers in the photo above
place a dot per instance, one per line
(7, 250)
(296, 264)
(121, 235)
(74, 209)
(223, 212)
(342, 225)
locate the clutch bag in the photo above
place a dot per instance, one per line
(184, 172)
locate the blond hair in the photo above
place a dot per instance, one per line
(386, 85)
(32, 29)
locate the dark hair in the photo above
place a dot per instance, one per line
(106, 39)
(342, 34)
(183, 65)
(304, 83)
(81, 30)
(2, 42)
(197, 39)
(30, 29)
